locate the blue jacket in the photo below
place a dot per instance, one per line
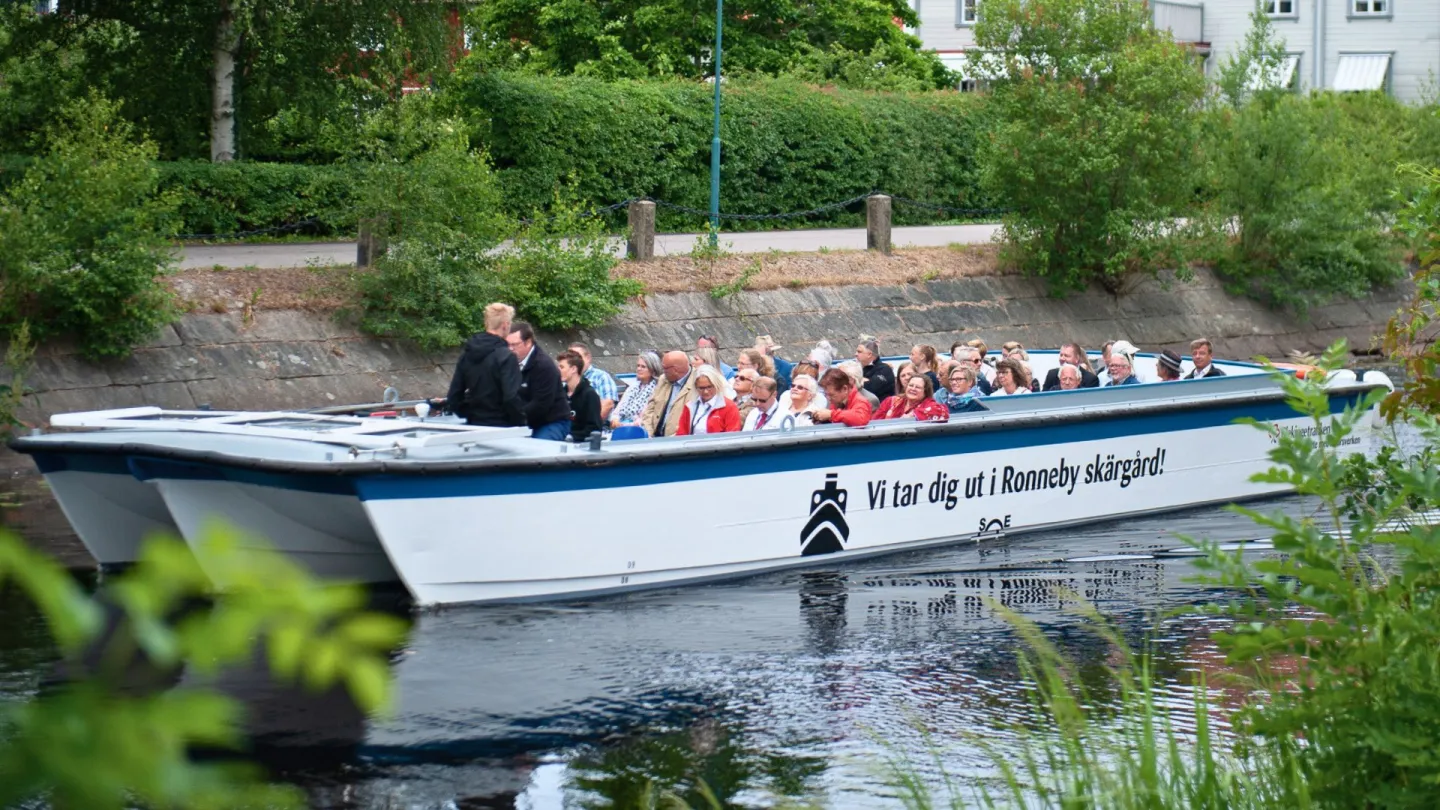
(1131, 380)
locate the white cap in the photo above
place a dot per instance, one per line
(1125, 347)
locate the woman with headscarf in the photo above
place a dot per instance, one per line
(632, 402)
(711, 411)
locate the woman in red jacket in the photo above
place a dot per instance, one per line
(918, 403)
(847, 407)
(711, 411)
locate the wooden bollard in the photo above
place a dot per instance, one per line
(641, 245)
(877, 223)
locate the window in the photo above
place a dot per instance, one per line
(1282, 8)
(1362, 8)
(966, 11)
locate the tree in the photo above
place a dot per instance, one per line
(1093, 143)
(1301, 197)
(637, 38)
(233, 77)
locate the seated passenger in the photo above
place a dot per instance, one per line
(743, 384)
(1167, 366)
(963, 394)
(925, 361)
(1201, 354)
(765, 406)
(878, 377)
(710, 342)
(710, 411)
(802, 401)
(987, 369)
(917, 403)
(1070, 377)
(1122, 371)
(857, 376)
(584, 402)
(637, 394)
(1011, 378)
(756, 359)
(784, 369)
(970, 357)
(1072, 354)
(1128, 349)
(845, 406)
(822, 355)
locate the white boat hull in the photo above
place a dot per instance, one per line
(609, 536)
(112, 514)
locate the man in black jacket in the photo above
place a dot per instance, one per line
(584, 401)
(547, 410)
(486, 387)
(879, 377)
(1074, 355)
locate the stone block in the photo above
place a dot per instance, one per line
(162, 365)
(888, 297)
(966, 290)
(207, 328)
(163, 339)
(274, 360)
(172, 395)
(60, 372)
(90, 399)
(285, 325)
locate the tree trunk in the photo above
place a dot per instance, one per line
(222, 97)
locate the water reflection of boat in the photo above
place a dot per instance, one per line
(473, 514)
(791, 665)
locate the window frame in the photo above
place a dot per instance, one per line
(1292, 14)
(1353, 13)
(960, 21)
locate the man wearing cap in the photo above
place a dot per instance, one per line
(1122, 369)
(783, 368)
(1072, 354)
(1201, 355)
(1167, 366)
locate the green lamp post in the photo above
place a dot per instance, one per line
(715, 141)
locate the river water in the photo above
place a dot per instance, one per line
(798, 686)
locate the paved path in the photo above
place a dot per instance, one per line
(301, 254)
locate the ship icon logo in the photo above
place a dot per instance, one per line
(827, 531)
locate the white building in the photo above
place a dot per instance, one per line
(1389, 45)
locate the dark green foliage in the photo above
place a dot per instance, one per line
(83, 237)
(226, 198)
(558, 274)
(786, 146)
(1095, 132)
(675, 38)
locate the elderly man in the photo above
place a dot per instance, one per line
(970, 356)
(765, 405)
(1201, 354)
(602, 382)
(1072, 354)
(661, 416)
(1070, 377)
(1122, 371)
(547, 408)
(1167, 366)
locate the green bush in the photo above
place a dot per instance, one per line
(227, 198)
(83, 237)
(1094, 137)
(1304, 192)
(557, 274)
(786, 146)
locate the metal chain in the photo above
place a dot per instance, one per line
(293, 226)
(596, 212)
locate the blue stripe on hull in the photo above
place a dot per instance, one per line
(820, 456)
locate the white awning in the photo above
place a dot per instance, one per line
(1361, 71)
(1283, 75)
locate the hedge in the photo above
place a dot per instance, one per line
(231, 198)
(787, 146)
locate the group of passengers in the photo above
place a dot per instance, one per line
(502, 380)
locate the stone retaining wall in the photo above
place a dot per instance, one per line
(296, 359)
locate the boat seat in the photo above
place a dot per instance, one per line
(625, 432)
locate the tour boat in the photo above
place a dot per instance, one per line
(465, 514)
